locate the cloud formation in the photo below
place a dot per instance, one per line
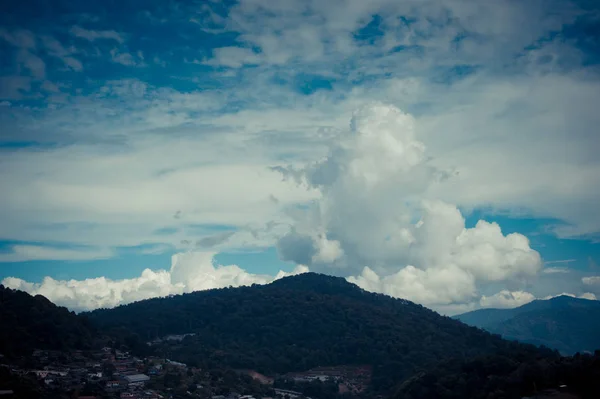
(391, 121)
(506, 299)
(592, 280)
(586, 295)
(93, 35)
(191, 271)
(374, 205)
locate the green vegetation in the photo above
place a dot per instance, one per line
(306, 321)
(295, 324)
(30, 323)
(504, 377)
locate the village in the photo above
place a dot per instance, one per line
(115, 373)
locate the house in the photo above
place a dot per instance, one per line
(136, 379)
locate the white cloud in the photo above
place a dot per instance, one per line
(93, 35)
(122, 58)
(233, 57)
(373, 187)
(73, 63)
(191, 271)
(506, 299)
(519, 133)
(592, 280)
(22, 253)
(430, 287)
(561, 261)
(585, 295)
(327, 251)
(554, 270)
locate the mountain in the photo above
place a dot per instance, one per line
(300, 322)
(33, 322)
(564, 323)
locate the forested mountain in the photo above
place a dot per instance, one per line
(504, 377)
(305, 321)
(564, 323)
(28, 323)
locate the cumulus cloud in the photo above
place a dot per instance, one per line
(585, 295)
(588, 295)
(374, 206)
(442, 286)
(592, 280)
(388, 191)
(309, 249)
(191, 271)
(506, 299)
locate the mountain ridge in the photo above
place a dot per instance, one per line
(304, 321)
(564, 323)
(34, 322)
(300, 322)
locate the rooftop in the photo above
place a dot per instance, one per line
(136, 378)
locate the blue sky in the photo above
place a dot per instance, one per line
(364, 139)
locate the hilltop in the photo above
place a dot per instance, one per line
(300, 322)
(304, 322)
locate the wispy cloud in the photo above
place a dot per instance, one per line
(34, 64)
(14, 87)
(22, 253)
(553, 262)
(21, 38)
(554, 270)
(122, 58)
(93, 35)
(66, 54)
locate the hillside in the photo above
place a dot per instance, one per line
(305, 321)
(30, 323)
(564, 323)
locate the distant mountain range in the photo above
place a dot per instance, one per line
(564, 323)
